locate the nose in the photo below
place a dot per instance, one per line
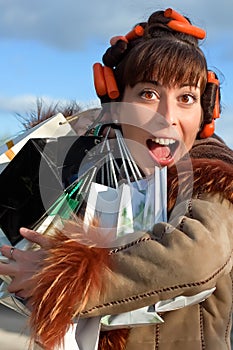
(168, 110)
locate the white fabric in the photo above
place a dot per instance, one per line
(84, 335)
(182, 301)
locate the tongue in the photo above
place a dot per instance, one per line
(160, 152)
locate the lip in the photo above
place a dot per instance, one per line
(166, 145)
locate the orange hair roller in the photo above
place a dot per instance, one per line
(180, 24)
(136, 32)
(208, 129)
(170, 13)
(187, 29)
(111, 85)
(115, 39)
(99, 80)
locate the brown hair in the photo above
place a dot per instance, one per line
(172, 58)
(168, 61)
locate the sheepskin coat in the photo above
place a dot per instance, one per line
(186, 256)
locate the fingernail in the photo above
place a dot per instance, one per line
(23, 230)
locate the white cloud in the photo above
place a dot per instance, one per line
(16, 103)
(13, 107)
(21, 103)
(67, 24)
(25, 103)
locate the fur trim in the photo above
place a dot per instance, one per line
(71, 274)
(207, 176)
(113, 340)
(212, 148)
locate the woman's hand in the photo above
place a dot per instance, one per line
(24, 264)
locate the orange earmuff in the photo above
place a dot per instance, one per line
(104, 81)
(135, 33)
(208, 129)
(180, 24)
(112, 88)
(99, 80)
(212, 79)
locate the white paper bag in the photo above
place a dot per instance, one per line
(53, 127)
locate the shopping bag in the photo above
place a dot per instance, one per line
(53, 127)
(129, 208)
(36, 177)
(27, 207)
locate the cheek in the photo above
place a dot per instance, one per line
(134, 133)
(129, 132)
(126, 131)
(190, 130)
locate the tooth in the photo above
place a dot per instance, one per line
(166, 142)
(163, 141)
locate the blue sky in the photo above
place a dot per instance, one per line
(48, 49)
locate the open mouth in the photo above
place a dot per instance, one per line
(162, 150)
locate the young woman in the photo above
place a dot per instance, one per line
(160, 69)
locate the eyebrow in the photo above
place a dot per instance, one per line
(156, 83)
(153, 82)
(191, 86)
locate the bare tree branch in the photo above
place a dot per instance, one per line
(43, 112)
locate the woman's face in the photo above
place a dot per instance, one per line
(166, 125)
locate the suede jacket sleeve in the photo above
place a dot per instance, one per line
(183, 257)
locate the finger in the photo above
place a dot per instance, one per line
(21, 296)
(19, 290)
(4, 259)
(8, 269)
(21, 287)
(24, 258)
(8, 251)
(35, 237)
(12, 253)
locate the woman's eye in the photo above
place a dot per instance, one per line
(148, 95)
(187, 99)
